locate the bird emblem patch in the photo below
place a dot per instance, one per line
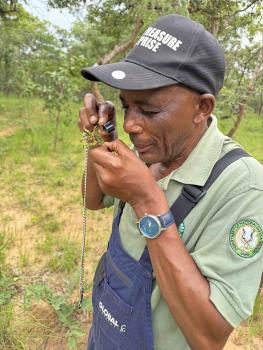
(181, 229)
(246, 238)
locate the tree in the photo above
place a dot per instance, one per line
(110, 29)
(248, 93)
(26, 48)
(237, 25)
(58, 93)
(7, 7)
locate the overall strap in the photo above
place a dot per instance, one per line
(191, 194)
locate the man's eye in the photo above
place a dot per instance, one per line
(149, 113)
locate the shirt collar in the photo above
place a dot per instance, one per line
(199, 164)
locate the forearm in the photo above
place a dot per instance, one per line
(94, 195)
(186, 292)
(184, 288)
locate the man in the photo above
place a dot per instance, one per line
(170, 283)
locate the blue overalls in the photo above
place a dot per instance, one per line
(121, 299)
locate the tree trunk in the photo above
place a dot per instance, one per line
(250, 89)
(260, 104)
(119, 48)
(96, 91)
(56, 130)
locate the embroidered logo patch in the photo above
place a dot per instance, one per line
(246, 238)
(181, 229)
(112, 321)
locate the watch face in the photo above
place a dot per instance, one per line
(149, 226)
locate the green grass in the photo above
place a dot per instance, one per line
(249, 134)
(41, 221)
(66, 256)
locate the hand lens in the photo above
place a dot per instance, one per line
(108, 127)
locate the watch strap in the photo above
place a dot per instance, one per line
(166, 219)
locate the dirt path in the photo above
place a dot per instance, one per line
(241, 340)
(6, 132)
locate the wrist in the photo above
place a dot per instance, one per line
(154, 203)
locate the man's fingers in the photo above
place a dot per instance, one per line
(95, 113)
(103, 157)
(106, 112)
(84, 122)
(118, 147)
(91, 108)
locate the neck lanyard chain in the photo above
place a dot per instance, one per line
(84, 223)
(89, 138)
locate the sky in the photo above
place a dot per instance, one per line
(61, 18)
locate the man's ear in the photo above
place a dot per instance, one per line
(206, 106)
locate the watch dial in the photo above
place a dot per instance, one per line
(149, 226)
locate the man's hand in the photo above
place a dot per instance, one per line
(94, 113)
(121, 174)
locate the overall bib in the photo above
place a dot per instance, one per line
(122, 286)
(121, 299)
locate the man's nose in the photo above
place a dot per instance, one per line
(133, 124)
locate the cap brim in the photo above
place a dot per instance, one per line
(127, 76)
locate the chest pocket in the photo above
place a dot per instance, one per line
(112, 315)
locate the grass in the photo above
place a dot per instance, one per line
(40, 227)
(249, 135)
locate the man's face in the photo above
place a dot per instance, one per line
(161, 122)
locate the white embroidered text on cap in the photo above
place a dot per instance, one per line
(118, 74)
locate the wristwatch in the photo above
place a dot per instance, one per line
(151, 226)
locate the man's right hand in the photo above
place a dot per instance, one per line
(97, 113)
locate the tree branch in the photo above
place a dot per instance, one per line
(246, 8)
(119, 48)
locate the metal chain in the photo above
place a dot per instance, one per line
(89, 138)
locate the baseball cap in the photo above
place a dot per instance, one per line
(175, 50)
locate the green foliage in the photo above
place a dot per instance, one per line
(8, 290)
(7, 287)
(40, 60)
(27, 48)
(66, 3)
(10, 337)
(237, 27)
(8, 7)
(65, 310)
(4, 245)
(58, 95)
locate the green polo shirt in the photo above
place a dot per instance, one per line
(223, 233)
